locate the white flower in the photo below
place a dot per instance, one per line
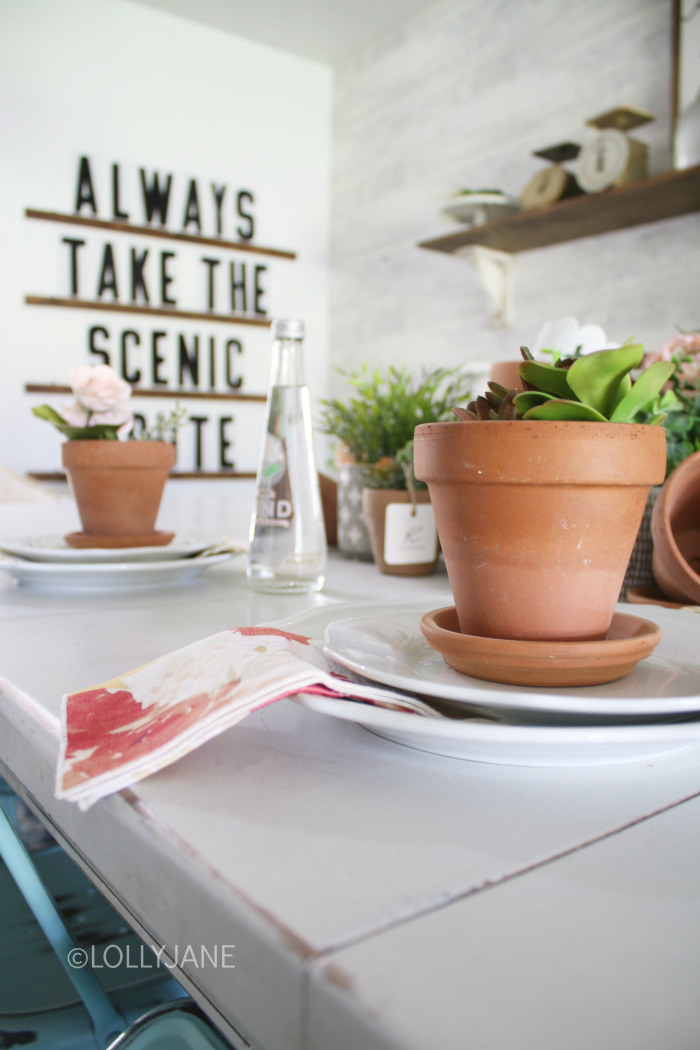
(120, 416)
(75, 415)
(565, 334)
(98, 388)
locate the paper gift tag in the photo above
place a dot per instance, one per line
(409, 539)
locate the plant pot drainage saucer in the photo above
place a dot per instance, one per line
(83, 541)
(515, 662)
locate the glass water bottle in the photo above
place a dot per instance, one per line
(287, 533)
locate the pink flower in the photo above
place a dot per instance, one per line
(680, 346)
(98, 388)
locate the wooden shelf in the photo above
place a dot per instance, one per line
(651, 200)
(136, 391)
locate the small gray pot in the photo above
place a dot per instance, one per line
(353, 537)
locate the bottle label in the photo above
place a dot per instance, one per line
(275, 506)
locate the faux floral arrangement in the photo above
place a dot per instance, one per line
(680, 400)
(102, 409)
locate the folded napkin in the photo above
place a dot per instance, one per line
(123, 730)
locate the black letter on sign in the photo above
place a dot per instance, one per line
(97, 330)
(139, 425)
(192, 209)
(108, 278)
(74, 245)
(135, 376)
(189, 362)
(138, 283)
(85, 194)
(212, 363)
(165, 278)
(156, 359)
(218, 192)
(259, 290)
(155, 199)
(211, 263)
(199, 422)
(238, 381)
(116, 212)
(224, 444)
(245, 233)
(236, 287)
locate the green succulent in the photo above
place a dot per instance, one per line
(596, 388)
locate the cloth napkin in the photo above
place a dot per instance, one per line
(123, 730)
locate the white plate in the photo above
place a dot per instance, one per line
(113, 577)
(503, 744)
(393, 651)
(509, 745)
(55, 549)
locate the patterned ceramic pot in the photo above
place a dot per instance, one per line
(353, 537)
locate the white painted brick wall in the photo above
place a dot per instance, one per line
(459, 96)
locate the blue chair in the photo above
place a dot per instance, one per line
(49, 1004)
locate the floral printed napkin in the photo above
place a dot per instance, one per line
(121, 731)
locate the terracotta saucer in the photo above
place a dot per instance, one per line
(150, 539)
(630, 639)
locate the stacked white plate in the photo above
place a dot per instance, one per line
(47, 563)
(653, 712)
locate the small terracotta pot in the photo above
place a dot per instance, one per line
(507, 373)
(537, 520)
(118, 485)
(675, 528)
(374, 505)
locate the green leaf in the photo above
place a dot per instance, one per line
(101, 432)
(655, 420)
(49, 414)
(596, 378)
(623, 389)
(547, 378)
(531, 399)
(572, 410)
(644, 390)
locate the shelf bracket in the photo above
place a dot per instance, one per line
(496, 272)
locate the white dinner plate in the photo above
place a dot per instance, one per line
(112, 576)
(501, 743)
(393, 651)
(55, 549)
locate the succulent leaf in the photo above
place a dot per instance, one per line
(498, 390)
(561, 409)
(548, 378)
(644, 390)
(595, 378)
(531, 399)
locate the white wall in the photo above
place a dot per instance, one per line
(120, 82)
(459, 96)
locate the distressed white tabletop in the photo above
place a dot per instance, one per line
(375, 895)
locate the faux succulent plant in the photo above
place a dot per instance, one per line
(596, 387)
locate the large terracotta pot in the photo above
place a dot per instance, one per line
(675, 527)
(118, 485)
(537, 519)
(507, 373)
(374, 505)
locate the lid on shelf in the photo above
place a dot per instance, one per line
(622, 118)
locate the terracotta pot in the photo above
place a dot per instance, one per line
(118, 485)
(537, 520)
(374, 505)
(675, 528)
(507, 373)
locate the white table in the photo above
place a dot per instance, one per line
(376, 896)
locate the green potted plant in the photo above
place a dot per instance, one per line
(375, 428)
(538, 495)
(117, 483)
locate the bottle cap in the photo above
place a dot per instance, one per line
(284, 328)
